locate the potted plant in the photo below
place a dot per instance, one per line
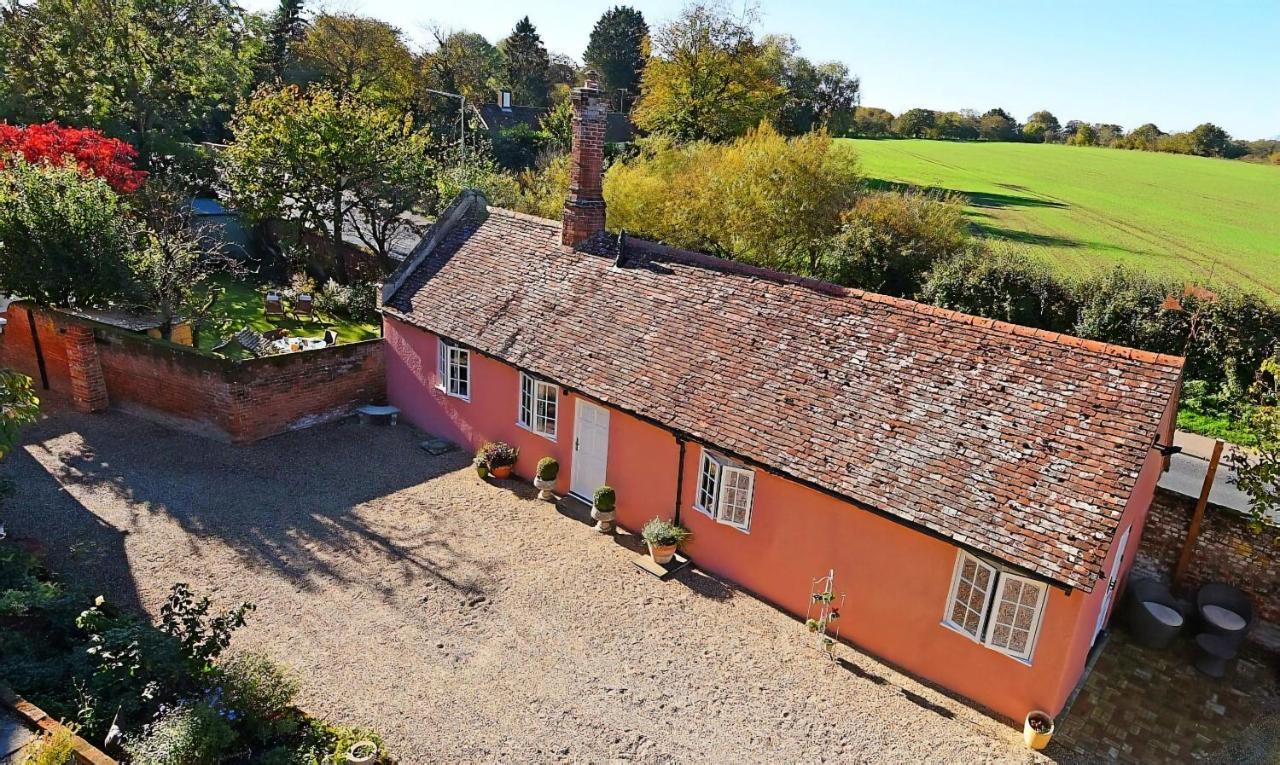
(544, 478)
(1037, 729)
(663, 537)
(603, 503)
(482, 469)
(498, 457)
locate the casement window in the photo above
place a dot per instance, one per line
(997, 608)
(725, 491)
(538, 406)
(453, 368)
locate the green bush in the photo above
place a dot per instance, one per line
(57, 748)
(324, 743)
(548, 469)
(604, 500)
(260, 692)
(659, 532)
(184, 735)
(998, 282)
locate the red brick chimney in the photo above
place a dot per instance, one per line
(584, 208)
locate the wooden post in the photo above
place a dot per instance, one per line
(1184, 558)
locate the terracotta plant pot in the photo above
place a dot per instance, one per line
(661, 554)
(1037, 735)
(500, 471)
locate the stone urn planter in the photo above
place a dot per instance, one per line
(544, 479)
(663, 537)
(602, 509)
(1037, 729)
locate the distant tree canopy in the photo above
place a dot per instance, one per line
(915, 123)
(463, 63)
(618, 49)
(813, 95)
(152, 72)
(526, 64)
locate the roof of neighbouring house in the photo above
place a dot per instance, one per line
(1016, 442)
(617, 129)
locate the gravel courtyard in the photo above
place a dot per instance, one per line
(465, 621)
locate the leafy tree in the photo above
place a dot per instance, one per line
(526, 64)
(1085, 135)
(108, 158)
(763, 198)
(463, 63)
(154, 72)
(1109, 134)
(557, 123)
(813, 95)
(915, 123)
(618, 49)
(1209, 140)
(65, 237)
(327, 160)
(888, 241)
(1042, 126)
(18, 407)
(997, 125)
(359, 56)
(872, 122)
(1257, 469)
(285, 30)
(709, 78)
(959, 126)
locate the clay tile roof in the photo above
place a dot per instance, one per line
(1020, 443)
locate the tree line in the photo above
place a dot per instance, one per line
(1205, 140)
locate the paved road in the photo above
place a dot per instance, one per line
(1187, 470)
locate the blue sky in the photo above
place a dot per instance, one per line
(1174, 62)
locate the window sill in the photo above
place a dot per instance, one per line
(972, 639)
(524, 427)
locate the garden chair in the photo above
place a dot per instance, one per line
(305, 307)
(1225, 611)
(1154, 616)
(330, 337)
(272, 305)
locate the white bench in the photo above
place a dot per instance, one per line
(371, 414)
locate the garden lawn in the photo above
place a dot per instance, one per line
(1083, 209)
(241, 305)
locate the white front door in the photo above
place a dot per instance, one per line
(590, 449)
(1111, 583)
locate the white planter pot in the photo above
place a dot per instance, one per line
(362, 752)
(604, 520)
(544, 488)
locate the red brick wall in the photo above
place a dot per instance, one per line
(237, 400)
(1227, 550)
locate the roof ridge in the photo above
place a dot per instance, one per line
(550, 222)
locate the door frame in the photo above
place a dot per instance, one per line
(1108, 598)
(577, 431)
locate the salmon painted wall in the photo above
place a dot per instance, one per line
(897, 579)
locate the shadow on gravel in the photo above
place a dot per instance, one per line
(285, 503)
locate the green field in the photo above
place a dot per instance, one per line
(1082, 209)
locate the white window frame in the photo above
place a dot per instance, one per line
(988, 616)
(713, 470)
(528, 417)
(450, 356)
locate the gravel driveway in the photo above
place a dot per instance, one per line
(465, 621)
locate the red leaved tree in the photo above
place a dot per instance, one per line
(108, 158)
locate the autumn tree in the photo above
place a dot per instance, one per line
(92, 152)
(149, 71)
(871, 122)
(763, 198)
(526, 64)
(329, 161)
(359, 56)
(618, 49)
(1041, 126)
(708, 79)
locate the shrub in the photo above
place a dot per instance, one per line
(496, 454)
(325, 743)
(358, 301)
(57, 748)
(202, 636)
(23, 585)
(997, 282)
(548, 469)
(604, 499)
(184, 735)
(260, 692)
(889, 240)
(658, 532)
